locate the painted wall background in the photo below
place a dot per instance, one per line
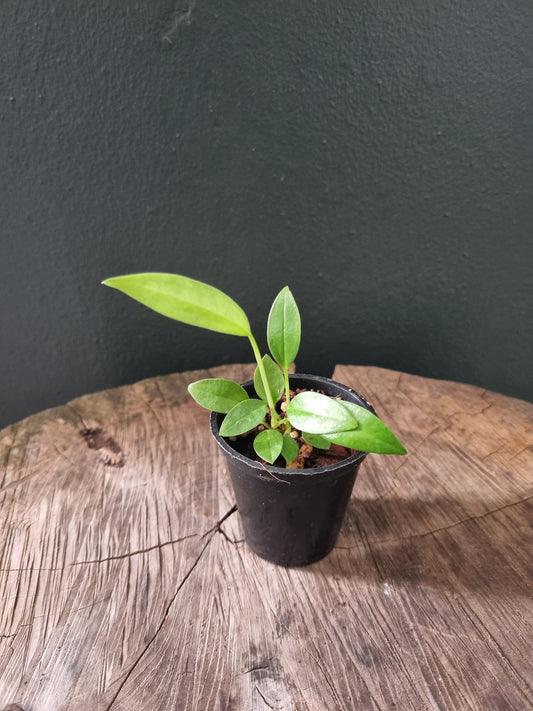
(374, 156)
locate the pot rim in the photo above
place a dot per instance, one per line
(283, 472)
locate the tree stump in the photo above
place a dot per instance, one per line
(125, 583)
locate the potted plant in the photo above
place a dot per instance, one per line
(293, 443)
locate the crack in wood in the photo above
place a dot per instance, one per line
(433, 531)
(470, 518)
(450, 417)
(65, 457)
(23, 479)
(158, 546)
(159, 390)
(218, 528)
(495, 451)
(267, 702)
(257, 667)
(397, 484)
(330, 683)
(317, 661)
(159, 627)
(154, 413)
(87, 607)
(218, 524)
(527, 448)
(169, 606)
(70, 406)
(228, 539)
(122, 556)
(420, 444)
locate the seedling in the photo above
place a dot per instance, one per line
(273, 414)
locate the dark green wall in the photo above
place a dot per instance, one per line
(374, 156)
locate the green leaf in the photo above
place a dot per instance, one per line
(217, 394)
(289, 449)
(275, 379)
(315, 413)
(372, 435)
(316, 440)
(356, 410)
(185, 300)
(243, 417)
(268, 445)
(283, 328)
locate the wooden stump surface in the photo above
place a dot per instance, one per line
(125, 583)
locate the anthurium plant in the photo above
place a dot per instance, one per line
(275, 414)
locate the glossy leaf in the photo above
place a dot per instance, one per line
(243, 417)
(217, 394)
(185, 300)
(289, 449)
(372, 435)
(275, 380)
(315, 413)
(316, 440)
(356, 410)
(268, 445)
(284, 328)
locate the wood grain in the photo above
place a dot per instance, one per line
(125, 583)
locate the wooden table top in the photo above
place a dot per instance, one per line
(125, 583)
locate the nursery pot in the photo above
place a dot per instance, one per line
(292, 517)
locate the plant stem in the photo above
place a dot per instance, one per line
(287, 388)
(272, 405)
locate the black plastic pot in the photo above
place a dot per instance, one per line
(292, 517)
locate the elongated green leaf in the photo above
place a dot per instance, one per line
(372, 435)
(315, 413)
(289, 449)
(217, 394)
(316, 440)
(283, 328)
(268, 445)
(243, 417)
(356, 410)
(275, 379)
(185, 300)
